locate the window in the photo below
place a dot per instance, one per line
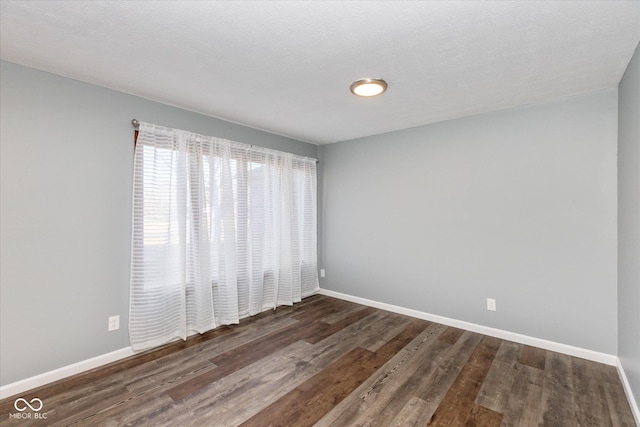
(221, 230)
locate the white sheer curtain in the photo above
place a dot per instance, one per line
(221, 230)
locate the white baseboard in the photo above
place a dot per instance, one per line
(595, 356)
(60, 373)
(629, 392)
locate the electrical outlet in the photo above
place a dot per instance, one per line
(114, 323)
(491, 304)
(322, 272)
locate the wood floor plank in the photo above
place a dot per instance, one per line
(481, 416)
(141, 414)
(323, 354)
(557, 393)
(393, 346)
(363, 333)
(346, 309)
(411, 414)
(227, 364)
(393, 326)
(236, 397)
(609, 374)
(310, 401)
(534, 357)
(496, 387)
(230, 408)
(591, 406)
(392, 385)
(218, 400)
(321, 308)
(525, 398)
(451, 335)
(427, 367)
(166, 374)
(458, 402)
(176, 368)
(619, 407)
(246, 354)
(96, 397)
(117, 412)
(434, 389)
(324, 330)
(620, 410)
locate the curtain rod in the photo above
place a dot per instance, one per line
(136, 124)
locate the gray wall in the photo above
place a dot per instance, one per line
(629, 224)
(66, 169)
(517, 205)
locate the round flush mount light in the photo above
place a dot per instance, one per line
(368, 87)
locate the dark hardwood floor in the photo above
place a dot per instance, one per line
(328, 362)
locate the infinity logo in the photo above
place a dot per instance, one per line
(28, 404)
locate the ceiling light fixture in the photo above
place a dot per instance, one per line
(368, 87)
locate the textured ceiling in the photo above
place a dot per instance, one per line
(286, 67)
